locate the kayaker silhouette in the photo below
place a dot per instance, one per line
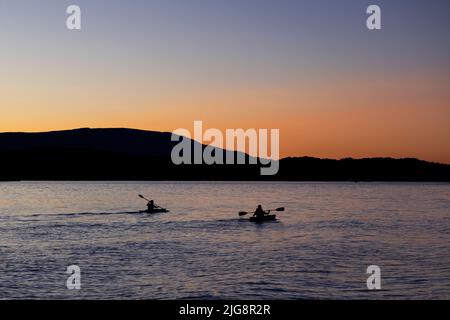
(259, 212)
(151, 205)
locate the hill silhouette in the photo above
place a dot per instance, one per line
(129, 154)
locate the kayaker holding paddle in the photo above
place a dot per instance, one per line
(260, 215)
(151, 205)
(259, 212)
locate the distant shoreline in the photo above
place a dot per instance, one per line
(137, 155)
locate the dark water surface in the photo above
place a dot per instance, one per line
(320, 247)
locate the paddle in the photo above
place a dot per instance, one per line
(243, 213)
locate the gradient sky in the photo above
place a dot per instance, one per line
(310, 68)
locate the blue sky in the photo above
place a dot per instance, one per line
(163, 60)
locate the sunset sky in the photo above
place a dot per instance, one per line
(308, 67)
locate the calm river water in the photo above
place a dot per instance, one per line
(319, 248)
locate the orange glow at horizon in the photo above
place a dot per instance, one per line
(347, 118)
(332, 87)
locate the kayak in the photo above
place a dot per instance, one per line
(161, 210)
(268, 217)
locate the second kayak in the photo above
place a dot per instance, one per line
(268, 217)
(159, 210)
